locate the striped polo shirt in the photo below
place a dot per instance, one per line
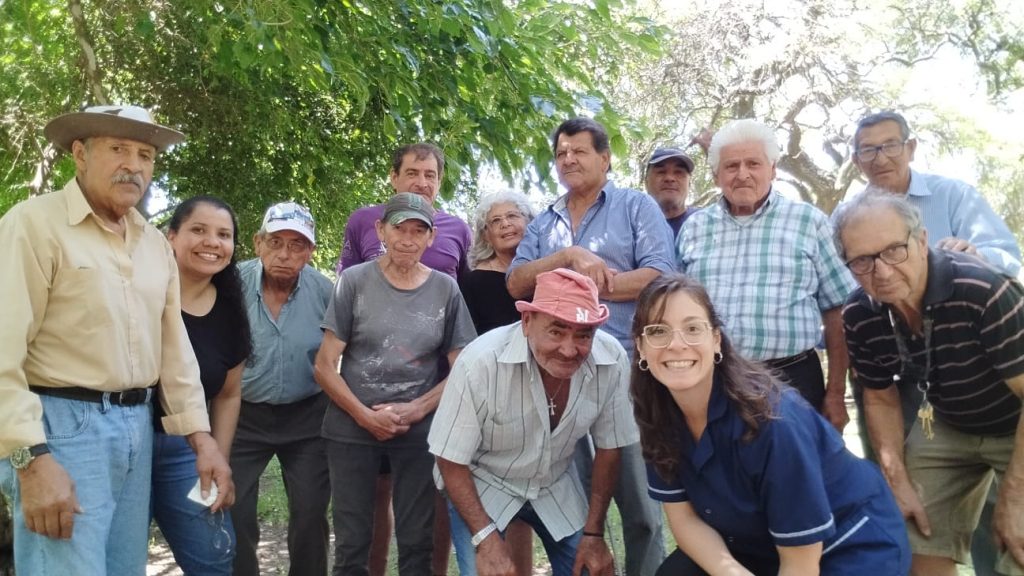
(977, 343)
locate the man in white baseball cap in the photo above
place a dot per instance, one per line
(92, 322)
(282, 405)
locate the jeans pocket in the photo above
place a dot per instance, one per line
(63, 418)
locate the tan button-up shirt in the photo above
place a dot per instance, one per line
(79, 306)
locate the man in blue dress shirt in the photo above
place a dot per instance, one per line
(955, 215)
(619, 238)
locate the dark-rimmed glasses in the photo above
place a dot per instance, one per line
(893, 255)
(891, 149)
(660, 335)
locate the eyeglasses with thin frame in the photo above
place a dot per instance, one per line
(893, 255)
(890, 149)
(660, 335)
(510, 217)
(294, 246)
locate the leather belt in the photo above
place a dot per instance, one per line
(130, 397)
(786, 362)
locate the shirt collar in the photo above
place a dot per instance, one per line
(939, 287)
(561, 204)
(718, 401)
(79, 209)
(917, 186)
(78, 206)
(768, 202)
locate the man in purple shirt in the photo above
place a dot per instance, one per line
(416, 168)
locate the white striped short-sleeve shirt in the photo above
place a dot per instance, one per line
(493, 417)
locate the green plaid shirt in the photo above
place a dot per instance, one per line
(770, 276)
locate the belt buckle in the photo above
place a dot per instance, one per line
(132, 397)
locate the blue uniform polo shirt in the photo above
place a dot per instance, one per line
(794, 484)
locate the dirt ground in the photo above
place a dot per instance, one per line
(273, 553)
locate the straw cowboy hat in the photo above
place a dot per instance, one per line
(131, 122)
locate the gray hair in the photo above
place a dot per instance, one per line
(482, 249)
(739, 132)
(877, 118)
(873, 198)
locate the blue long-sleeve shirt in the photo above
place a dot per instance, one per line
(623, 226)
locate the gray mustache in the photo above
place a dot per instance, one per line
(128, 179)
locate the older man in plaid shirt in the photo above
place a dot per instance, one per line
(769, 264)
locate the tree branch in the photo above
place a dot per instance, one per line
(93, 74)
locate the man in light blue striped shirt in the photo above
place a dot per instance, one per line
(771, 269)
(956, 216)
(618, 238)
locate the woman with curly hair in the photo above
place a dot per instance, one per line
(753, 480)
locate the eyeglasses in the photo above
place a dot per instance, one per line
(221, 538)
(893, 255)
(294, 246)
(660, 335)
(511, 218)
(891, 149)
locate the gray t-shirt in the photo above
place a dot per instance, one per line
(394, 342)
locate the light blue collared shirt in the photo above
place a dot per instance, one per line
(624, 227)
(280, 369)
(953, 208)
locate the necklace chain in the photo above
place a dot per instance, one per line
(551, 398)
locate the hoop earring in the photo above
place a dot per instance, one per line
(643, 365)
(718, 357)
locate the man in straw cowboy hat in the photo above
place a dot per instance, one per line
(91, 323)
(517, 401)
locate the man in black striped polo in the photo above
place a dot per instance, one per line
(952, 326)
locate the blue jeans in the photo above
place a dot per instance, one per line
(561, 553)
(202, 543)
(107, 451)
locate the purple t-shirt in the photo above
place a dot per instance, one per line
(447, 254)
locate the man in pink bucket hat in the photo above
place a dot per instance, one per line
(517, 400)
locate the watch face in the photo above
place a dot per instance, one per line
(20, 458)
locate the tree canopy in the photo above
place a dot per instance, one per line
(306, 99)
(811, 68)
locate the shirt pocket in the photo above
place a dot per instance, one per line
(85, 298)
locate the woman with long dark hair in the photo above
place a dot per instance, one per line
(753, 480)
(203, 232)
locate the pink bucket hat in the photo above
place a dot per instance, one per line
(568, 296)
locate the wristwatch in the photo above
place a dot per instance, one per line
(482, 535)
(22, 457)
